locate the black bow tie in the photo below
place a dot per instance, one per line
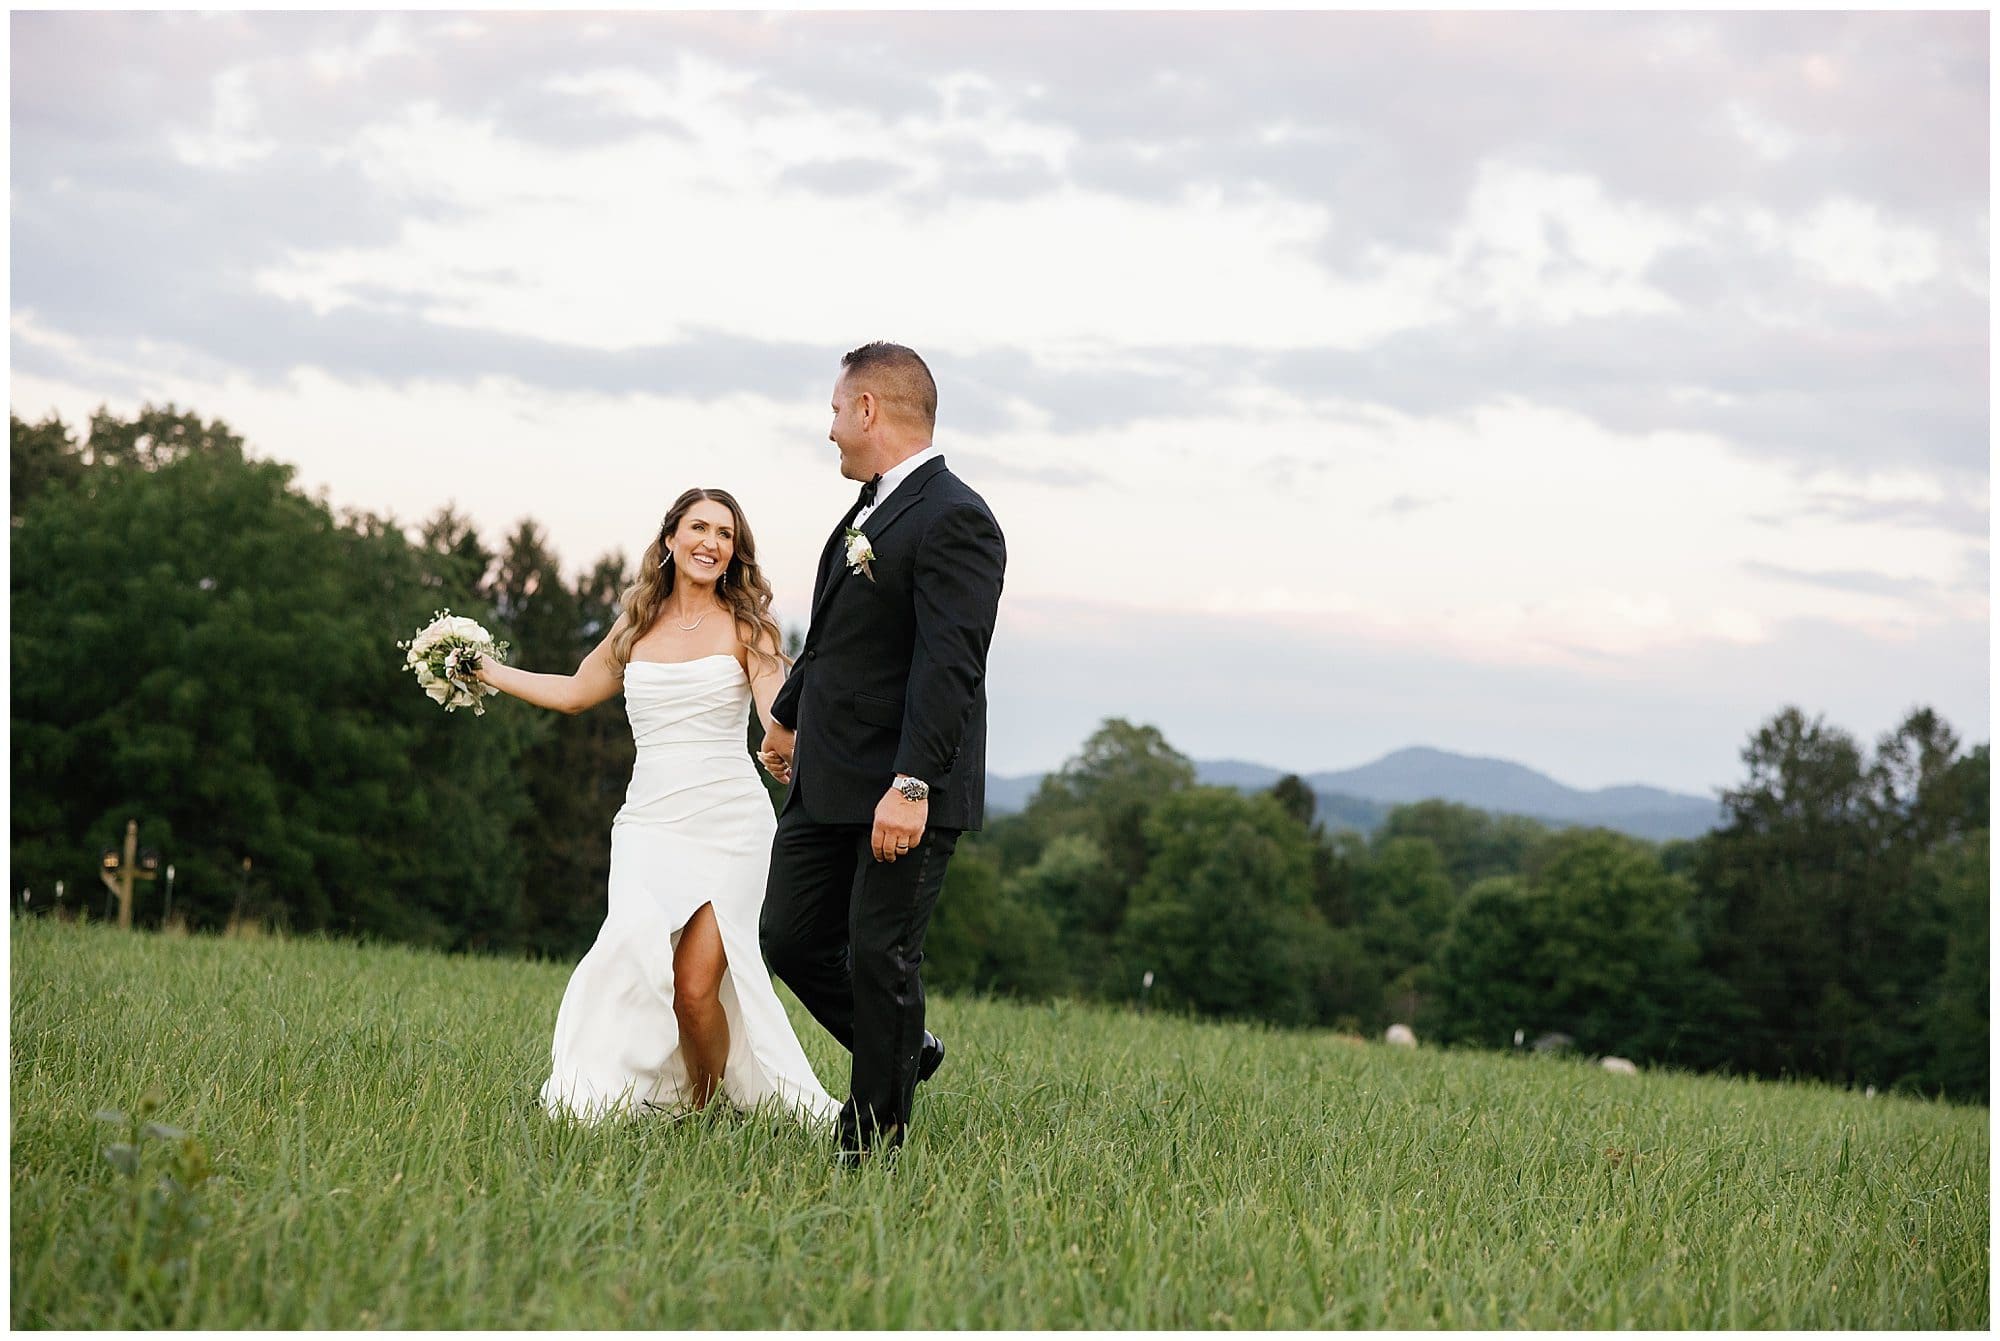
(868, 492)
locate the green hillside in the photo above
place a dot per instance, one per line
(377, 1163)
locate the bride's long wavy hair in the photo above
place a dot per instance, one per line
(744, 589)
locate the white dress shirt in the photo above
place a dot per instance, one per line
(892, 477)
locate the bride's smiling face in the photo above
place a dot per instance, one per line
(704, 542)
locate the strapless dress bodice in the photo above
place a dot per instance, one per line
(705, 701)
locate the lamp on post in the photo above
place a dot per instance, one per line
(109, 865)
(119, 870)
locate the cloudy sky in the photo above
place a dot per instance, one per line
(1574, 389)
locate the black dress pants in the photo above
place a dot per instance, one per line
(846, 933)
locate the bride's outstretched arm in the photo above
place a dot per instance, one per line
(596, 679)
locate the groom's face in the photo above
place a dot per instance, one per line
(848, 432)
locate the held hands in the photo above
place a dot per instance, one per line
(899, 825)
(776, 755)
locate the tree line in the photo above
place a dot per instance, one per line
(1834, 927)
(202, 646)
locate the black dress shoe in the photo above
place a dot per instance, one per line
(929, 1057)
(849, 1153)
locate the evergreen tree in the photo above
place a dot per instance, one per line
(1296, 797)
(1814, 906)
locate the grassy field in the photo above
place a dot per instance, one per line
(377, 1162)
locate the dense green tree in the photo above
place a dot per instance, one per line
(1296, 797)
(1598, 946)
(1773, 887)
(1404, 901)
(1813, 907)
(41, 456)
(1345, 980)
(1471, 844)
(1338, 864)
(157, 436)
(1108, 789)
(1072, 884)
(1348, 986)
(197, 645)
(1224, 916)
(456, 561)
(1617, 939)
(1105, 794)
(581, 767)
(984, 937)
(1492, 977)
(1957, 1025)
(563, 835)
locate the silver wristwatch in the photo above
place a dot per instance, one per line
(913, 789)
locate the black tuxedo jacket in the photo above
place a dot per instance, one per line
(892, 677)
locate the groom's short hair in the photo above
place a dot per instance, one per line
(897, 377)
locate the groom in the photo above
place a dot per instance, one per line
(881, 732)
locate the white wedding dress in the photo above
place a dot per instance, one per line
(695, 828)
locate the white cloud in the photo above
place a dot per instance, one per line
(232, 138)
(1545, 539)
(1772, 141)
(702, 227)
(651, 239)
(1848, 242)
(1548, 540)
(390, 36)
(1509, 541)
(1545, 247)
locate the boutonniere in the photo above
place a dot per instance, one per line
(859, 552)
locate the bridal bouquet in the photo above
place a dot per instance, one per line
(445, 657)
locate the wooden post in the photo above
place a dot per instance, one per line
(119, 873)
(131, 869)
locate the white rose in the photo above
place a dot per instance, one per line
(438, 690)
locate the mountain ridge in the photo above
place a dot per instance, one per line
(1361, 797)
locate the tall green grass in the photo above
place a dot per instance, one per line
(368, 1113)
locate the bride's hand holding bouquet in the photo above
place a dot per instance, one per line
(449, 657)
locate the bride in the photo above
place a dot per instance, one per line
(673, 1001)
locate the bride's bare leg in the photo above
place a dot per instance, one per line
(699, 963)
